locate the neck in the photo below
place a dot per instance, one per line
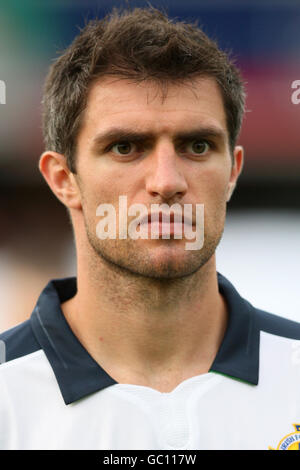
(141, 329)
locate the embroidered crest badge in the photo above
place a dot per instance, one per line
(290, 441)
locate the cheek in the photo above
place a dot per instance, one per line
(212, 186)
(97, 191)
(218, 190)
(97, 187)
(213, 193)
(105, 183)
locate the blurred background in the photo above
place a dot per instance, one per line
(260, 250)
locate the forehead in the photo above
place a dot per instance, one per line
(148, 105)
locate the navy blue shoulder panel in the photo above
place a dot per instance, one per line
(277, 325)
(17, 342)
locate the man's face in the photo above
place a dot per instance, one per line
(175, 150)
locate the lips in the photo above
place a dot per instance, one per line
(165, 225)
(161, 217)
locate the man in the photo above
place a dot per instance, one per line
(149, 347)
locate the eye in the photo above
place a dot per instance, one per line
(122, 148)
(198, 147)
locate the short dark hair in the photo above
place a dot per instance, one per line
(139, 44)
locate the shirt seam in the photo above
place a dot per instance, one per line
(26, 357)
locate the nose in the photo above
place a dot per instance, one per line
(165, 177)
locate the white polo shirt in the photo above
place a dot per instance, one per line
(53, 395)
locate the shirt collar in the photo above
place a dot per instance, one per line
(79, 375)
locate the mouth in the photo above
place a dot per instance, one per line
(159, 224)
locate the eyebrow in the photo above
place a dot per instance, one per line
(116, 134)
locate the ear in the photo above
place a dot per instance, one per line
(238, 157)
(60, 179)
